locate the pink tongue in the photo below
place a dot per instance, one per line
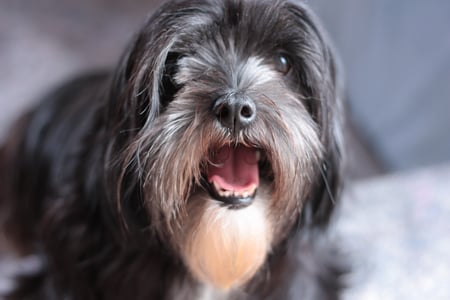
(235, 169)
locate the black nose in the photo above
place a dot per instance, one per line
(234, 111)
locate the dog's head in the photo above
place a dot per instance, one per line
(227, 114)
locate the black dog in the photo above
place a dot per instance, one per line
(206, 166)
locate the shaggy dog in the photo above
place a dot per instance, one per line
(205, 166)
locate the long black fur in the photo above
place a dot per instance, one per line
(67, 197)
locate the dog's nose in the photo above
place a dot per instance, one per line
(234, 111)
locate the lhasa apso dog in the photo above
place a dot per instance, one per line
(206, 166)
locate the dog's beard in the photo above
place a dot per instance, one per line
(225, 247)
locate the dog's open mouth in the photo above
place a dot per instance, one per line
(233, 174)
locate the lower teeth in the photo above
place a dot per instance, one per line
(228, 194)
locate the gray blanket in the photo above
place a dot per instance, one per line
(396, 230)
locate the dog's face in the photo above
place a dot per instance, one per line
(234, 102)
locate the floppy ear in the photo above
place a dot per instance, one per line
(141, 88)
(329, 183)
(138, 83)
(324, 86)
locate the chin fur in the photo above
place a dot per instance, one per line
(225, 247)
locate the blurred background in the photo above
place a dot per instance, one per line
(396, 56)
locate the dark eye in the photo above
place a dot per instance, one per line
(168, 85)
(282, 64)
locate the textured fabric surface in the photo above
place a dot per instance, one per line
(396, 230)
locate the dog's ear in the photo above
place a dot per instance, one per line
(329, 115)
(322, 82)
(142, 84)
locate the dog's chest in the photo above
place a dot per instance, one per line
(206, 292)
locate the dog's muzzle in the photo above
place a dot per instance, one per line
(233, 173)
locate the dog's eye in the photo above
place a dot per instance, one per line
(168, 85)
(282, 64)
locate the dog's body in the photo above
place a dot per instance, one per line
(205, 167)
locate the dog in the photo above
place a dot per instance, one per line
(206, 165)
